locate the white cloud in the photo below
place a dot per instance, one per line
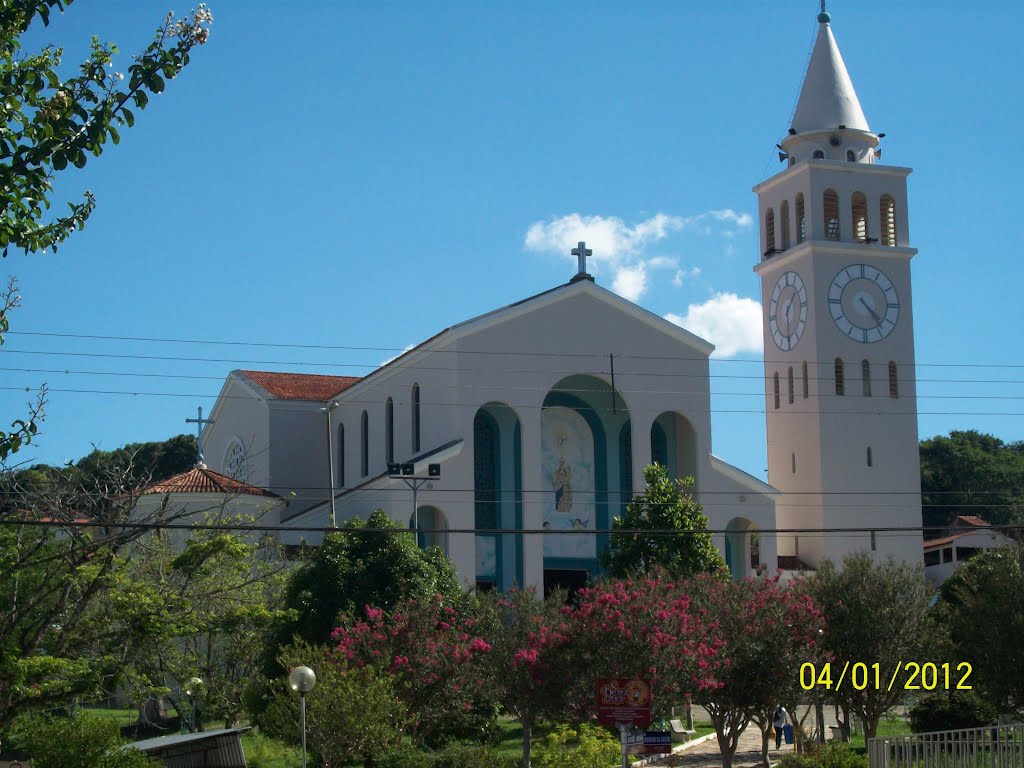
(728, 214)
(391, 359)
(731, 323)
(663, 262)
(611, 239)
(631, 282)
(684, 274)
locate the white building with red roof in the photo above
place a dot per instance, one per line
(968, 536)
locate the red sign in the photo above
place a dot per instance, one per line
(624, 700)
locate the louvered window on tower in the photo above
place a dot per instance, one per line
(887, 210)
(801, 219)
(790, 385)
(775, 383)
(859, 205)
(805, 379)
(840, 383)
(865, 372)
(830, 202)
(894, 384)
(784, 223)
(769, 232)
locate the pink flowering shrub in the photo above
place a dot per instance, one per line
(433, 654)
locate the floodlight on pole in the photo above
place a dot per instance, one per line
(407, 474)
(301, 680)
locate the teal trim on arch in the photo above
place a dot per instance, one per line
(625, 466)
(517, 441)
(561, 399)
(487, 472)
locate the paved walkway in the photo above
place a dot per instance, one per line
(707, 754)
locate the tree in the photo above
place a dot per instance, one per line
(971, 473)
(665, 505)
(531, 649)
(875, 613)
(766, 632)
(209, 607)
(352, 713)
(50, 122)
(433, 653)
(373, 562)
(983, 606)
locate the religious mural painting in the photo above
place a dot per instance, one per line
(567, 469)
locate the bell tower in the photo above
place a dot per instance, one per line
(840, 389)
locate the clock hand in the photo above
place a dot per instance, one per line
(871, 311)
(785, 313)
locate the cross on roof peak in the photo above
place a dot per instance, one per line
(200, 423)
(581, 252)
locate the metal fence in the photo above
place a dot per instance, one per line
(993, 747)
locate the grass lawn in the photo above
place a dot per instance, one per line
(887, 726)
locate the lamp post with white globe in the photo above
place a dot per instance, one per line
(301, 680)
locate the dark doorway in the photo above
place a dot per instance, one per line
(571, 581)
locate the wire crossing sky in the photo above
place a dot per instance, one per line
(326, 185)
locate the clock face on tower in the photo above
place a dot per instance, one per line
(787, 311)
(863, 302)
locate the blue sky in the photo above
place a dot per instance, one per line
(361, 175)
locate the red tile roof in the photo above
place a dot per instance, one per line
(933, 543)
(204, 480)
(300, 386)
(972, 520)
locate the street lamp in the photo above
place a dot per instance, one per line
(301, 680)
(192, 689)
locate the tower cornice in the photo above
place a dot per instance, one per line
(833, 248)
(809, 166)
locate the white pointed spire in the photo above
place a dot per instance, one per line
(827, 99)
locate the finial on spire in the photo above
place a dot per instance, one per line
(823, 17)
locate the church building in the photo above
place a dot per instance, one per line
(512, 439)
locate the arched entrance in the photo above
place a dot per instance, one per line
(674, 445)
(497, 496)
(432, 528)
(742, 548)
(586, 456)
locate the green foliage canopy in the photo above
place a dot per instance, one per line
(666, 504)
(365, 563)
(971, 473)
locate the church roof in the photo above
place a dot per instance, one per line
(201, 479)
(827, 99)
(300, 386)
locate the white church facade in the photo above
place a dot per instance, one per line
(541, 415)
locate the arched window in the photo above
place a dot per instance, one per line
(769, 232)
(859, 207)
(840, 383)
(364, 458)
(775, 384)
(791, 385)
(887, 217)
(894, 383)
(389, 430)
(784, 223)
(801, 219)
(819, 154)
(870, 462)
(341, 455)
(865, 372)
(415, 418)
(235, 464)
(851, 157)
(805, 379)
(830, 208)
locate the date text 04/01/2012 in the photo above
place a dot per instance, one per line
(860, 676)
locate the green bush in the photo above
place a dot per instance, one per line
(947, 712)
(582, 746)
(81, 741)
(831, 755)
